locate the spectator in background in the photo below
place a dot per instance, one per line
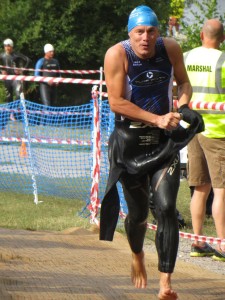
(48, 90)
(173, 25)
(206, 152)
(12, 61)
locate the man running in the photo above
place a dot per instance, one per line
(139, 75)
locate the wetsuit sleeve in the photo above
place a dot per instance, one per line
(20, 60)
(1, 61)
(38, 66)
(26, 60)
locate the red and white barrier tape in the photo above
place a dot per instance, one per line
(46, 112)
(204, 105)
(195, 105)
(46, 79)
(47, 141)
(104, 94)
(94, 199)
(193, 237)
(54, 71)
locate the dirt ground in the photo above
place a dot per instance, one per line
(74, 264)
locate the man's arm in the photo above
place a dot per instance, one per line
(38, 67)
(184, 87)
(115, 69)
(3, 70)
(183, 83)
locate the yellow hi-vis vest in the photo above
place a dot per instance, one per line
(206, 71)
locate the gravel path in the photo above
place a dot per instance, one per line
(75, 265)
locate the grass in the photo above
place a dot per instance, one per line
(18, 211)
(183, 205)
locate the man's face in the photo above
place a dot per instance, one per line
(8, 49)
(49, 54)
(143, 40)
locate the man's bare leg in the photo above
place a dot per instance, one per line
(166, 292)
(218, 212)
(198, 207)
(138, 272)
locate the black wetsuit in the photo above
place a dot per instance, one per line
(13, 60)
(48, 92)
(12, 87)
(140, 157)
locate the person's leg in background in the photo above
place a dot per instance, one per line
(215, 156)
(45, 93)
(198, 209)
(200, 182)
(209, 201)
(218, 212)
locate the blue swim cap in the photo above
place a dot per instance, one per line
(142, 15)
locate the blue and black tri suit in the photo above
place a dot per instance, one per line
(48, 92)
(140, 159)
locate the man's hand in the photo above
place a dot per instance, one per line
(192, 117)
(169, 121)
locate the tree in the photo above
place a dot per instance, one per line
(206, 9)
(177, 8)
(80, 30)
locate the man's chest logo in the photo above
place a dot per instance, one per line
(150, 78)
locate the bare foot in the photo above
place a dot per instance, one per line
(166, 292)
(138, 272)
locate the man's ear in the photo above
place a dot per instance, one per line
(158, 33)
(201, 36)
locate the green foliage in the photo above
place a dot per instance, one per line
(2, 93)
(177, 8)
(201, 11)
(183, 205)
(82, 30)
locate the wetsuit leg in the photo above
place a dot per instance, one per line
(17, 86)
(136, 192)
(45, 94)
(9, 90)
(53, 95)
(4, 115)
(165, 184)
